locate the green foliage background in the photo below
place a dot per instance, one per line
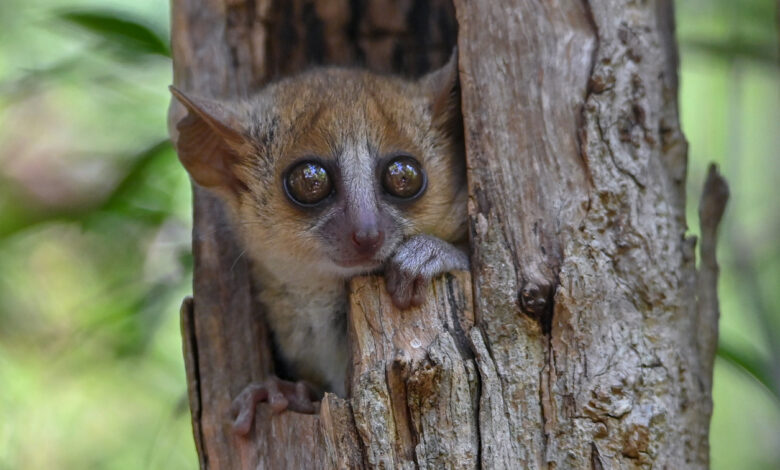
(95, 231)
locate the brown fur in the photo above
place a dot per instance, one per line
(311, 115)
(337, 115)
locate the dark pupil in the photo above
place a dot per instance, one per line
(308, 183)
(403, 177)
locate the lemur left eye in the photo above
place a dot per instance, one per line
(308, 183)
(404, 177)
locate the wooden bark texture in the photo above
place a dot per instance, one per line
(577, 172)
(584, 337)
(414, 382)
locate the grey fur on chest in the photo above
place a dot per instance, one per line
(308, 321)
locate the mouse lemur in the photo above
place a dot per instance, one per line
(330, 174)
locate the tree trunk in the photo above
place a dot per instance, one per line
(589, 338)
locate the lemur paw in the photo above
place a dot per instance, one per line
(415, 262)
(280, 394)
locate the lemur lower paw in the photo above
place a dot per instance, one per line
(415, 262)
(279, 394)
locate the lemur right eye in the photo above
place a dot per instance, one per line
(404, 178)
(308, 183)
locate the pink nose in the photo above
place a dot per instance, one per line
(367, 241)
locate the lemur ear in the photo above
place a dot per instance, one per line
(210, 140)
(443, 90)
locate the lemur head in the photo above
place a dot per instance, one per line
(329, 170)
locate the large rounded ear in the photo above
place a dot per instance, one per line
(210, 141)
(441, 88)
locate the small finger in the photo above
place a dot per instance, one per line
(402, 295)
(252, 394)
(243, 422)
(391, 280)
(276, 399)
(301, 399)
(419, 291)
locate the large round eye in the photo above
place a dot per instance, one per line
(308, 183)
(403, 177)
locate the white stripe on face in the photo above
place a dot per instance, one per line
(357, 172)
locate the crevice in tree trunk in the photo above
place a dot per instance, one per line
(190, 347)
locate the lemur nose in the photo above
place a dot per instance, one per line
(367, 241)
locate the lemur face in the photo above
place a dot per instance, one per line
(330, 170)
(355, 201)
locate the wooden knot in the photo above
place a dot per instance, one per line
(534, 298)
(536, 301)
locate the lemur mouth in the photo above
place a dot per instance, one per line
(366, 263)
(359, 263)
(363, 262)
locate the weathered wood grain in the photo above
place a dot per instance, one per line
(524, 75)
(414, 380)
(577, 169)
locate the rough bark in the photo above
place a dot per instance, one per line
(591, 336)
(617, 372)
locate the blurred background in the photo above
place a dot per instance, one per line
(95, 231)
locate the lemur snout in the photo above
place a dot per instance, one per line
(367, 241)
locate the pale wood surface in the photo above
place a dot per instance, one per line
(413, 379)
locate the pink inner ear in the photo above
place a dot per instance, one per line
(207, 137)
(205, 154)
(214, 113)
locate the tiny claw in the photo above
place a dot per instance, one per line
(402, 294)
(406, 291)
(276, 399)
(391, 281)
(419, 287)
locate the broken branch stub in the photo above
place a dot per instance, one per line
(414, 378)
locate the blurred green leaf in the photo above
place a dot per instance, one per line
(729, 29)
(117, 200)
(129, 326)
(751, 364)
(135, 173)
(733, 49)
(33, 80)
(116, 28)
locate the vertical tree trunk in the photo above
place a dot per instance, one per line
(589, 337)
